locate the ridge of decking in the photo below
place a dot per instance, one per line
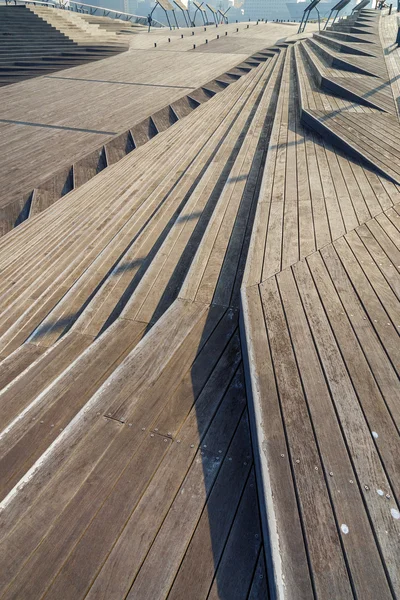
(320, 335)
(50, 149)
(185, 417)
(200, 354)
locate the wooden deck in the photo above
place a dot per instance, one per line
(320, 326)
(179, 442)
(41, 144)
(199, 379)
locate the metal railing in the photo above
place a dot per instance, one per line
(28, 2)
(89, 9)
(109, 12)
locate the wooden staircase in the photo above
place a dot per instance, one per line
(361, 79)
(37, 41)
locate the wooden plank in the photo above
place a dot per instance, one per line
(376, 412)
(78, 466)
(23, 390)
(95, 85)
(370, 469)
(381, 286)
(196, 572)
(273, 244)
(336, 225)
(62, 536)
(254, 264)
(176, 532)
(203, 379)
(385, 242)
(305, 208)
(15, 364)
(347, 502)
(376, 356)
(61, 307)
(205, 268)
(52, 410)
(286, 555)
(366, 200)
(167, 340)
(88, 167)
(321, 224)
(316, 515)
(391, 231)
(119, 147)
(122, 565)
(357, 141)
(41, 199)
(390, 272)
(340, 184)
(234, 578)
(375, 309)
(290, 233)
(259, 587)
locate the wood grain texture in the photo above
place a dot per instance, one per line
(199, 340)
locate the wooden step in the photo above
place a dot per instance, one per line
(347, 62)
(361, 89)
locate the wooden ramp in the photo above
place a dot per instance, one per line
(320, 330)
(50, 148)
(322, 339)
(199, 376)
(171, 442)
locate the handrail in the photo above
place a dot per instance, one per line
(128, 16)
(67, 6)
(30, 2)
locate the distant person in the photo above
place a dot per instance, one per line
(149, 20)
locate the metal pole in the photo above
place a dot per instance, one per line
(330, 14)
(149, 18)
(305, 21)
(167, 17)
(186, 21)
(301, 23)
